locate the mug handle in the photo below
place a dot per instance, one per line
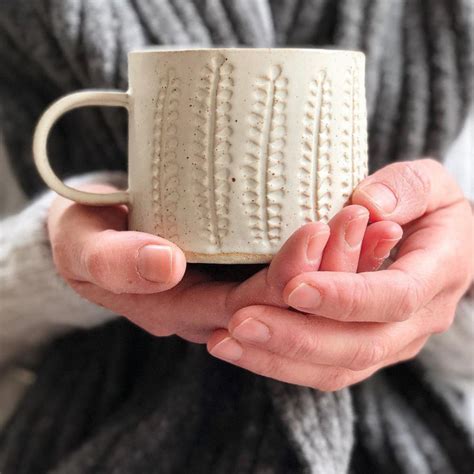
(40, 141)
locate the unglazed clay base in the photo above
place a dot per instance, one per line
(232, 150)
(227, 258)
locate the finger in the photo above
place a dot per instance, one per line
(402, 192)
(267, 364)
(379, 240)
(302, 252)
(384, 296)
(343, 248)
(90, 245)
(321, 377)
(321, 341)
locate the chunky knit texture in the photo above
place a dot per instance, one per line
(117, 400)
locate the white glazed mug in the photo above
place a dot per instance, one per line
(231, 150)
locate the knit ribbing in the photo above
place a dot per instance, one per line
(445, 103)
(402, 431)
(387, 100)
(305, 413)
(413, 115)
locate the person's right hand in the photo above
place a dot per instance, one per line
(144, 278)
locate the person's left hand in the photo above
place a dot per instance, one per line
(345, 326)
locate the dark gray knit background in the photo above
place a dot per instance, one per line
(116, 400)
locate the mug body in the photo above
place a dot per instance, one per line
(231, 150)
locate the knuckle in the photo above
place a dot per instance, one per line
(161, 330)
(433, 163)
(414, 178)
(301, 346)
(60, 257)
(350, 298)
(158, 324)
(94, 262)
(274, 366)
(368, 354)
(461, 280)
(466, 208)
(413, 352)
(336, 379)
(443, 323)
(409, 303)
(271, 366)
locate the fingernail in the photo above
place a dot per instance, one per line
(252, 331)
(382, 196)
(304, 297)
(384, 247)
(227, 349)
(155, 263)
(313, 249)
(354, 230)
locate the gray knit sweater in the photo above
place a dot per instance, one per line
(117, 400)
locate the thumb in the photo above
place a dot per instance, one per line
(405, 191)
(91, 245)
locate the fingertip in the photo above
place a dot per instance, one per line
(394, 229)
(239, 317)
(304, 233)
(315, 228)
(393, 234)
(130, 262)
(356, 210)
(380, 239)
(376, 208)
(301, 252)
(179, 263)
(347, 215)
(248, 312)
(384, 230)
(216, 337)
(162, 263)
(316, 244)
(292, 285)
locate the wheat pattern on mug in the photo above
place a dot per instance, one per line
(309, 157)
(360, 157)
(347, 177)
(213, 149)
(165, 181)
(264, 160)
(323, 163)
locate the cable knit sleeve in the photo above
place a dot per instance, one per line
(36, 303)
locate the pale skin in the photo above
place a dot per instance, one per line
(318, 315)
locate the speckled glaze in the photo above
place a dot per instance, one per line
(231, 150)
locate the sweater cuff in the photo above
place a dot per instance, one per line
(37, 303)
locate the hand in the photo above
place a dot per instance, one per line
(143, 277)
(349, 325)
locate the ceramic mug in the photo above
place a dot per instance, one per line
(231, 150)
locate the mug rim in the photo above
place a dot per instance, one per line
(147, 50)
